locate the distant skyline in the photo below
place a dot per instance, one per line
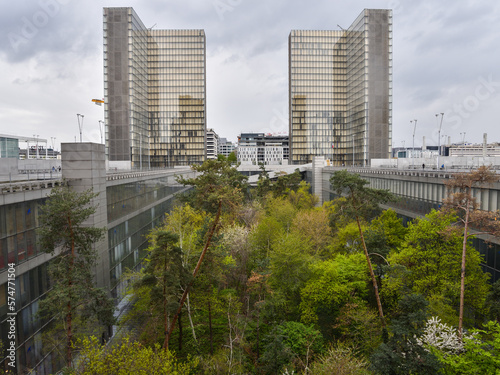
(445, 61)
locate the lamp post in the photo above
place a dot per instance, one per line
(413, 146)
(101, 127)
(439, 136)
(80, 124)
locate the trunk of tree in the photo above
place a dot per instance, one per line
(188, 304)
(462, 271)
(180, 332)
(210, 328)
(195, 272)
(69, 316)
(165, 313)
(372, 274)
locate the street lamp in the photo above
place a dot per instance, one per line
(439, 136)
(101, 127)
(80, 124)
(413, 146)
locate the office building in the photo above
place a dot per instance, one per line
(255, 148)
(212, 144)
(225, 147)
(154, 93)
(340, 91)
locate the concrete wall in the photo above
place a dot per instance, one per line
(84, 167)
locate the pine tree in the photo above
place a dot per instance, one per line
(74, 299)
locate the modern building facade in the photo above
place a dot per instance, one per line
(255, 148)
(225, 147)
(154, 93)
(212, 144)
(340, 91)
(129, 205)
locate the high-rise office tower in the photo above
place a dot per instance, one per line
(340, 91)
(154, 93)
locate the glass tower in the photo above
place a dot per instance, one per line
(154, 93)
(340, 91)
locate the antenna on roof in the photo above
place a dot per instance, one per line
(152, 26)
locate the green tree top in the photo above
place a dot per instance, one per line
(217, 183)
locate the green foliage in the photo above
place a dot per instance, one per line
(493, 301)
(218, 182)
(481, 353)
(401, 355)
(263, 183)
(332, 284)
(431, 253)
(361, 201)
(286, 183)
(74, 301)
(357, 324)
(340, 360)
(282, 211)
(347, 239)
(301, 198)
(127, 357)
(232, 158)
(313, 226)
(290, 271)
(187, 223)
(263, 239)
(164, 274)
(290, 345)
(385, 233)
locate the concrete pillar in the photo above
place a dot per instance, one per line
(485, 144)
(84, 167)
(317, 171)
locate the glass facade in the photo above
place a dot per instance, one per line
(134, 208)
(177, 97)
(154, 82)
(9, 148)
(18, 239)
(340, 91)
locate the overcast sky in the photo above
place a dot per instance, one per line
(446, 59)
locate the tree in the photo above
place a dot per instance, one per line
(384, 234)
(128, 357)
(302, 198)
(291, 343)
(286, 183)
(313, 225)
(402, 354)
(219, 186)
(62, 232)
(165, 275)
(232, 157)
(340, 360)
(461, 199)
(480, 353)
(359, 199)
(431, 257)
(332, 284)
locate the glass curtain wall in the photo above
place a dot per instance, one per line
(317, 94)
(177, 97)
(340, 94)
